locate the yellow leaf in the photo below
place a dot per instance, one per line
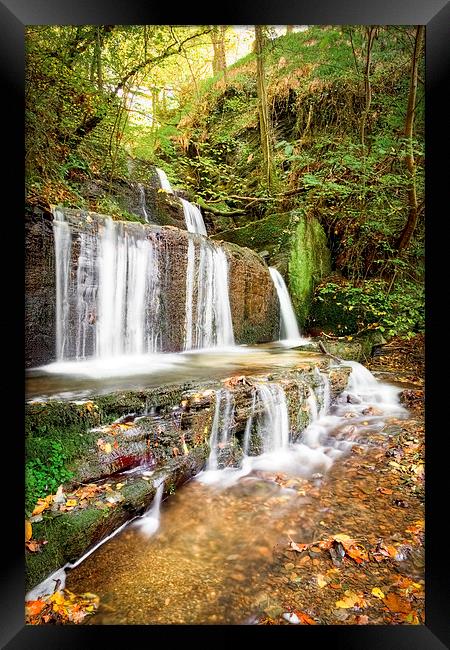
(342, 538)
(71, 502)
(349, 338)
(119, 486)
(28, 530)
(351, 600)
(321, 582)
(377, 593)
(107, 448)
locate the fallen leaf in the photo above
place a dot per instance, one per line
(396, 604)
(384, 490)
(34, 607)
(28, 530)
(71, 502)
(321, 581)
(298, 547)
(361, 619)
(351, 600)
(35, 545)
(304, 618)
(377, 593)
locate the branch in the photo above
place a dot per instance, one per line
(155, 60)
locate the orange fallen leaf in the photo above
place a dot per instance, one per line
(28, 530)
(304, 618)
(396, 604)
(34, 607)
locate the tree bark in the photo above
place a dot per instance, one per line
(219, 62)
(289, 29)
(263, 109)
(371, 31)
(408, 231)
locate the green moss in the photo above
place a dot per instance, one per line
(309, 262)
(68, 536)
(270, 233)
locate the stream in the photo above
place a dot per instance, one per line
(205, 556)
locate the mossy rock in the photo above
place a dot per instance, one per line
(309, 262)
(296, 244)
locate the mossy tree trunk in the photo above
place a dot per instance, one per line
(263, 109)
(408, 231)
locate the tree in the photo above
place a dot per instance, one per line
(408, 230)
(263, 108)
(219, 63)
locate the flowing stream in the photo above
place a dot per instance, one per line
(208, 555)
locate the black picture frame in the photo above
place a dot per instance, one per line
(14, 16)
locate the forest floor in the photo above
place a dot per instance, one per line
(365, 564)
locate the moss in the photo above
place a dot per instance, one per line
(309, 262)
(68, 536)
(266, 234)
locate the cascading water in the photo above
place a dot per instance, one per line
(164, 181)
(193, 218)
(208, 321)
(112, 306)
(273, 426)
(142, 202)
(148, 524)
(289, 326)
(62, 238)
(220, 430)
(331, 432)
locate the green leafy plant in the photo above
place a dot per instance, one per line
(45, 473)
(347, 309)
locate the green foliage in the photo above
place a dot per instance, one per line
(346, 309)
(45, 472)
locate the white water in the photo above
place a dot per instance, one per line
(220, 430)
(289, 330)
(208, 321)
(193, 218)
(62, 237)
(164, 181)
(149, 522)
(142, 202)
(332, 430)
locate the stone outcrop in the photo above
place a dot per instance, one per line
(253, 300)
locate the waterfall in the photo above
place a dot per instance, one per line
(63, 243)
(149, 523)
(142, 202)
(111, 306)
(221, 427)
(209, 323)
(273, 426)
(289, 326)
(164, 181)
(193, 218)
(248, 426)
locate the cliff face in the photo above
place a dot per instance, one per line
(253, 301)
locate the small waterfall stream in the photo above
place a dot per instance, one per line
(289, 329)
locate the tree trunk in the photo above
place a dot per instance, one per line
(289, 29)
(263, 109)
(407, 233)
(219, 62)
(371, 31)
